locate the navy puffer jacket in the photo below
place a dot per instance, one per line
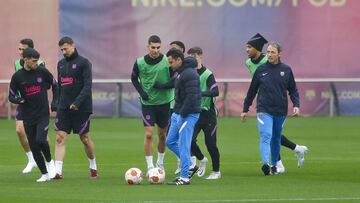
(187, 89)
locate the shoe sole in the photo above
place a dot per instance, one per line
(213, 178)
(42, 181)
(174, 184)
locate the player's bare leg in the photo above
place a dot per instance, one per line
(20, 131)
(61, 137)
(148, 146)
(161, 147)
(22, 136)
(90, 152)
(88, 145)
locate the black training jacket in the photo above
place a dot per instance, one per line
(33, 86)
(75, 81)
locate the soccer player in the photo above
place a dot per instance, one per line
(186, 112)
(75, 104)
(155, 103)
(32, 82)
(207, 121)
(177, 45)
(18, 65)
(271, 81)
(256, 58)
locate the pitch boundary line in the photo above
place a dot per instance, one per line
(244, 200)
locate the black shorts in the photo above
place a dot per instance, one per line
(19, 113)
(159, 114)
(76, 121)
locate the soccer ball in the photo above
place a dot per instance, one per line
(133, 176)
(156, 176)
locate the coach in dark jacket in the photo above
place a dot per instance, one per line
(272, 81)
(187, 89)
(186, 112)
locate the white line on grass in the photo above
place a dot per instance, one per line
(245, 200)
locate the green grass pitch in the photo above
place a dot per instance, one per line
(331, 172)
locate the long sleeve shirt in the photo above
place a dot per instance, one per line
(75, 81)
(272, 82)
(33, 86)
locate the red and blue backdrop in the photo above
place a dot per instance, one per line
(319, 39)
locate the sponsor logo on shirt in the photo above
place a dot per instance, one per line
(264, 74)
(32, 90)
(66, 81)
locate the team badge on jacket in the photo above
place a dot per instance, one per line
(39, 79)
(282, 73)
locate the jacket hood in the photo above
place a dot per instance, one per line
(189, 62)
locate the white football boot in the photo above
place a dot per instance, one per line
(214, 175)
(43, 178)
(300, 152)
(29, 167)
(50, 166)
(202, 167)
(280, 167)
